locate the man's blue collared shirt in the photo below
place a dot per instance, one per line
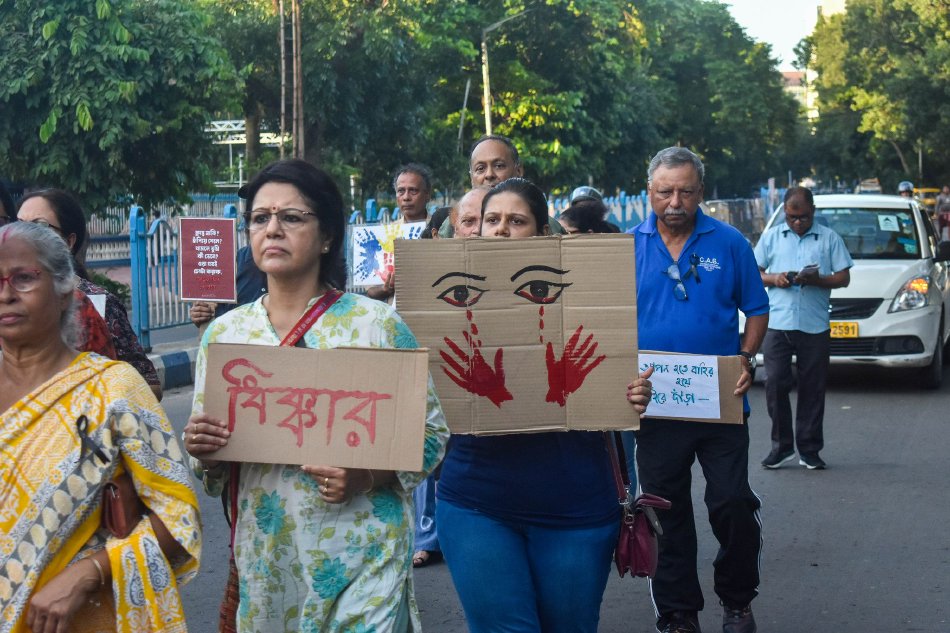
(723, 280)
(781, 250)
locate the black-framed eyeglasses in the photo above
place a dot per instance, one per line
(673, 272)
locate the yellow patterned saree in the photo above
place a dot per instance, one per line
(58, 446)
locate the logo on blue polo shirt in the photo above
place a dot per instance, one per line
(709, 263)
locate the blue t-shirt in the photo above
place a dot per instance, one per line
(549, 479)
(720, 277)
(780, 250)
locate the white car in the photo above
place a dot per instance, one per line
(896, 310)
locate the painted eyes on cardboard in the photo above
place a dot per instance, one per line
(540, 291)
(462, 296)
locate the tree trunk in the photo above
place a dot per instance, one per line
(252, 131)
(900, 155)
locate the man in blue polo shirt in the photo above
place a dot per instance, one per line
(694, 274)
(800, 263)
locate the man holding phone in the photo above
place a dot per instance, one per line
(800, 262)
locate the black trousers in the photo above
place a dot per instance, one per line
(666, 450)
(812, 354)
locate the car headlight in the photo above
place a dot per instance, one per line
(912, 295)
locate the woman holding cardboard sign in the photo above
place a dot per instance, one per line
(528, 522)
(316, 548)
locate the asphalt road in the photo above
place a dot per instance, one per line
(862, 547)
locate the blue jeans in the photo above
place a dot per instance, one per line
(518, 578)
(427, 537)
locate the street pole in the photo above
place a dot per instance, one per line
(486, 90)
(283, 78)
(486, 86)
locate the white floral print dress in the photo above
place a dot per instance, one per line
(306, 565)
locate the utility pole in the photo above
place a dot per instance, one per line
(486, 86)
(299, 148)
(283, 77)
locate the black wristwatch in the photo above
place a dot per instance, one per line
(749, 356)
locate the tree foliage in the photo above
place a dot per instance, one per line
(588, 89)
(109, 97)
(884, 82)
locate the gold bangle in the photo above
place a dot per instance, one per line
(102, 575)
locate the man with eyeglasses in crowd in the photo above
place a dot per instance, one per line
(799, 325)
(694, 274)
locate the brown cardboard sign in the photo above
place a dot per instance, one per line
(693, 387)
(525, 335)
(346, 407)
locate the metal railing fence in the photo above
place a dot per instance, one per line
(153, 248)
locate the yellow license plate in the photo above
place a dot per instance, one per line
(844, 329)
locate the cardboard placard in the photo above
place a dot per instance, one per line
(373, 248)
(345, 407)
(694, 387)
(207, 270)
(525, 335)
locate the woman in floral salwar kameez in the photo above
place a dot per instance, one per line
(317, 548)
(70, 422)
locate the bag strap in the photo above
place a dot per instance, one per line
(309, 318)
(618, 463)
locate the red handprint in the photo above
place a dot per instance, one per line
(565, 376)
(473, 374)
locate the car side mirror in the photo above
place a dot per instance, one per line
(943, 251)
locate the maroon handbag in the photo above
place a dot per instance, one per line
(637, 550)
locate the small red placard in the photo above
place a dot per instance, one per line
(206, 249)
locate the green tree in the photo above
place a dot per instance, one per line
(250, 32)
(110, 97)
(889, 64)
(720, 94)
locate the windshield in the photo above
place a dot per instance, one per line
(871, 233)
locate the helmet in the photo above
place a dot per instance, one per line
(905, 185)
(586, 193)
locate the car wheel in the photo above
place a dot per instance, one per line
(932, 374)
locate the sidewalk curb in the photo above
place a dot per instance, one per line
(176, 368)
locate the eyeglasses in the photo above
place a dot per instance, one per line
(673, 272)
(797, 218)
(22, 280)
(288, 219)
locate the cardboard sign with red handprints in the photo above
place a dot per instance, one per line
(346, 407)
(525, 335)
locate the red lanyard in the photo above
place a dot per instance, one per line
(311, 316)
